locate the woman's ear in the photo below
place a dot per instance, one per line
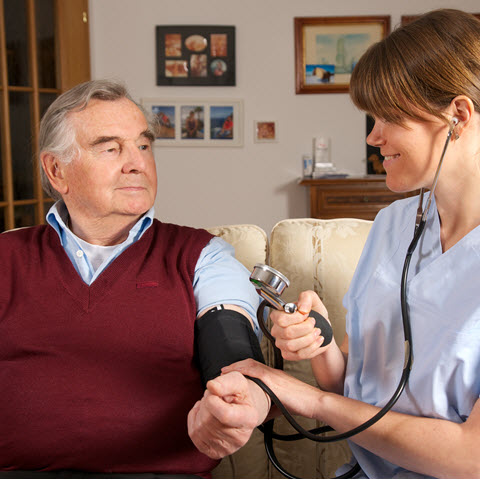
(54, 170)
(462, 108)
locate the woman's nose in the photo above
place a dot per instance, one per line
(376, 138)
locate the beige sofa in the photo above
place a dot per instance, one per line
(319, 255)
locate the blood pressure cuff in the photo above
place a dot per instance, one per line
(223, 337)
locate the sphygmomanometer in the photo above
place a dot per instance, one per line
(223, 337)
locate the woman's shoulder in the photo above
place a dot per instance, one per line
(392, 227)
(398, 212)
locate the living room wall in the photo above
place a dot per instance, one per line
(257, 182)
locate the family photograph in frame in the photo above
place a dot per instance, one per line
(195, 55)
(265, 131)
(196, 122)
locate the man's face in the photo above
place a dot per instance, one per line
(114, 176)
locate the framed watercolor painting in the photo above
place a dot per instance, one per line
(327, 49)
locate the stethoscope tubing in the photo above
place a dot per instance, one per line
(318, 434)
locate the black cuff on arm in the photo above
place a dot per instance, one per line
(223, 337)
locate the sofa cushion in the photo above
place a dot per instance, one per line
(250, 242)
(319, 255)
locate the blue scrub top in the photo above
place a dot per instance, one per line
(444, 307)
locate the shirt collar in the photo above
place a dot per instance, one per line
(57, 218)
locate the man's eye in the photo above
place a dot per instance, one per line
(111, 149)
(144, 147)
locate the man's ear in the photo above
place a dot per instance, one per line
(54, 170)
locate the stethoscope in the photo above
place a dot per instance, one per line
(270, 284)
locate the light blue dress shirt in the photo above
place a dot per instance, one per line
(444, 308)
(218, 279)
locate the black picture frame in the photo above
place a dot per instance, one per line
(202, 55)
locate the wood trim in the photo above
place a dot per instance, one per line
(72, 67)
(35, 109)
(73, 42)
(5, 128)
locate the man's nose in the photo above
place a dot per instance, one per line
(134, 160)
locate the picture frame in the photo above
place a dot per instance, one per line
(265, 131)
(195, 55)
(327, 48)
(196, 122)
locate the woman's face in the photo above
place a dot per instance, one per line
(411, 152)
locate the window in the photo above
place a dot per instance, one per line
(44, 50)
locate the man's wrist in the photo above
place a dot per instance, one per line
(261, 400)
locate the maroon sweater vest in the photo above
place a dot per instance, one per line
(99, 378)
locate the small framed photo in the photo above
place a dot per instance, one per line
(196, 122)
(195, 55)
(327, 49)
(265, 131)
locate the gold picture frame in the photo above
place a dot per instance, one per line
(327, 48)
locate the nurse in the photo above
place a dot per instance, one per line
(418, 84)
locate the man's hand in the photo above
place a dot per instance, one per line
(224, 419)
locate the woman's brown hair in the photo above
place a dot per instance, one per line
(420, 68)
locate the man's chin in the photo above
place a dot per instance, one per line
(137, 209)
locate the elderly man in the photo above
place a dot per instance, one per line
(98, 309)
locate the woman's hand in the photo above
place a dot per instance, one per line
(298, 397)
(295, 334)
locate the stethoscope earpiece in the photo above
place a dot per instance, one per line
(455, 122)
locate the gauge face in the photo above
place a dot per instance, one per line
(196, 43)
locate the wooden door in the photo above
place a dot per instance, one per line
(44, 50)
